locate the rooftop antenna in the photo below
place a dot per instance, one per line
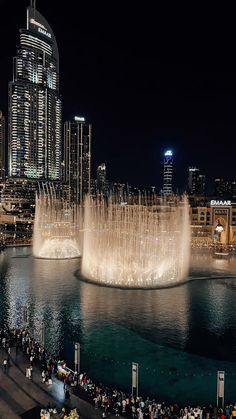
(33, 3)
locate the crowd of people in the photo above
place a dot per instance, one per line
(109, 400)
(121, 404)
(54, 413)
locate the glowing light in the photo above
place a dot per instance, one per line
(220, 203)
(168, 153)
(79, 118)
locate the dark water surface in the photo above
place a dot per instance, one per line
(179, 336)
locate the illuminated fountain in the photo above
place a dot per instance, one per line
(139, 245)
(56, 228)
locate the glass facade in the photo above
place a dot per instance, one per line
(101, 179)
(35, 104)
(77, 158)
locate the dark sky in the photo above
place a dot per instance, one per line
(146, 79)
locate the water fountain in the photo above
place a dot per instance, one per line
(136, 245)
(56, 228)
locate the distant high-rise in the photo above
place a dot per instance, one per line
(101, 178)
(2, 146)
(168, 173)
(224, 188)
(196, 182)
(77, 157)
(34, 103)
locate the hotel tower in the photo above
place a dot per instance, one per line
(34, 103)
(167, 173)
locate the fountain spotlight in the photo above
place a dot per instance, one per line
(138, 245)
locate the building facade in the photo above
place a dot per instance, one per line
(168, 173)
(196, 182)
(77, 157)
(35, 104)
(101, 179)
(2, 147)
(224, 188)
(213, 223)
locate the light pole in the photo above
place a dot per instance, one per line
(220, 388)
(77, 357)
(135, 379)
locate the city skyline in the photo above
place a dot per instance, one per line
(115, 74)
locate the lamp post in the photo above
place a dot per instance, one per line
(77, 357)
(135, 379)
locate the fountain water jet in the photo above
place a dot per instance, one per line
(56, 228)
(142, 245)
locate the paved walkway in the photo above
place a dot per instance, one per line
(19, 395)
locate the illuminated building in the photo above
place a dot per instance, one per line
(101, 179)
(77, 157)
(2, 146)
(35, 104)
(224, 188)
(213, 223)
(168, 173)
(196, 182)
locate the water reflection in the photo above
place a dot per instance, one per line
(150, 313)
(163, 329)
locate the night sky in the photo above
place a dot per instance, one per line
(146, 79)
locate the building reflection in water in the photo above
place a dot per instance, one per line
(164, 329)
(149, 313)
(72, 310)
(49, 291)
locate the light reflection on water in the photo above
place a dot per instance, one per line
(189, 329)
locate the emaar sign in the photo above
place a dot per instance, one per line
(215, 203)
(44, 32)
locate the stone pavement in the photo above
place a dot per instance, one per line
(21, 397)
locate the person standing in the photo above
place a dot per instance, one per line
(5, 365)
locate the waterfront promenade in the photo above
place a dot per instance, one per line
(23, 398)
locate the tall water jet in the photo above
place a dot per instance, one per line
(138, 245)
(56, 228)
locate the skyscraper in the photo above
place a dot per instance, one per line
(77, 157)
(224, 188)
(196, 182)
(2, 146)
(101, 178)
(168, 173)
(34, 103)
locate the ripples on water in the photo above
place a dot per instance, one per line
(189, 329)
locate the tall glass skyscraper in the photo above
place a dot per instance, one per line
(77, 157)
(35, 104)
(168, 173)
(101, 179)
(196, 182)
